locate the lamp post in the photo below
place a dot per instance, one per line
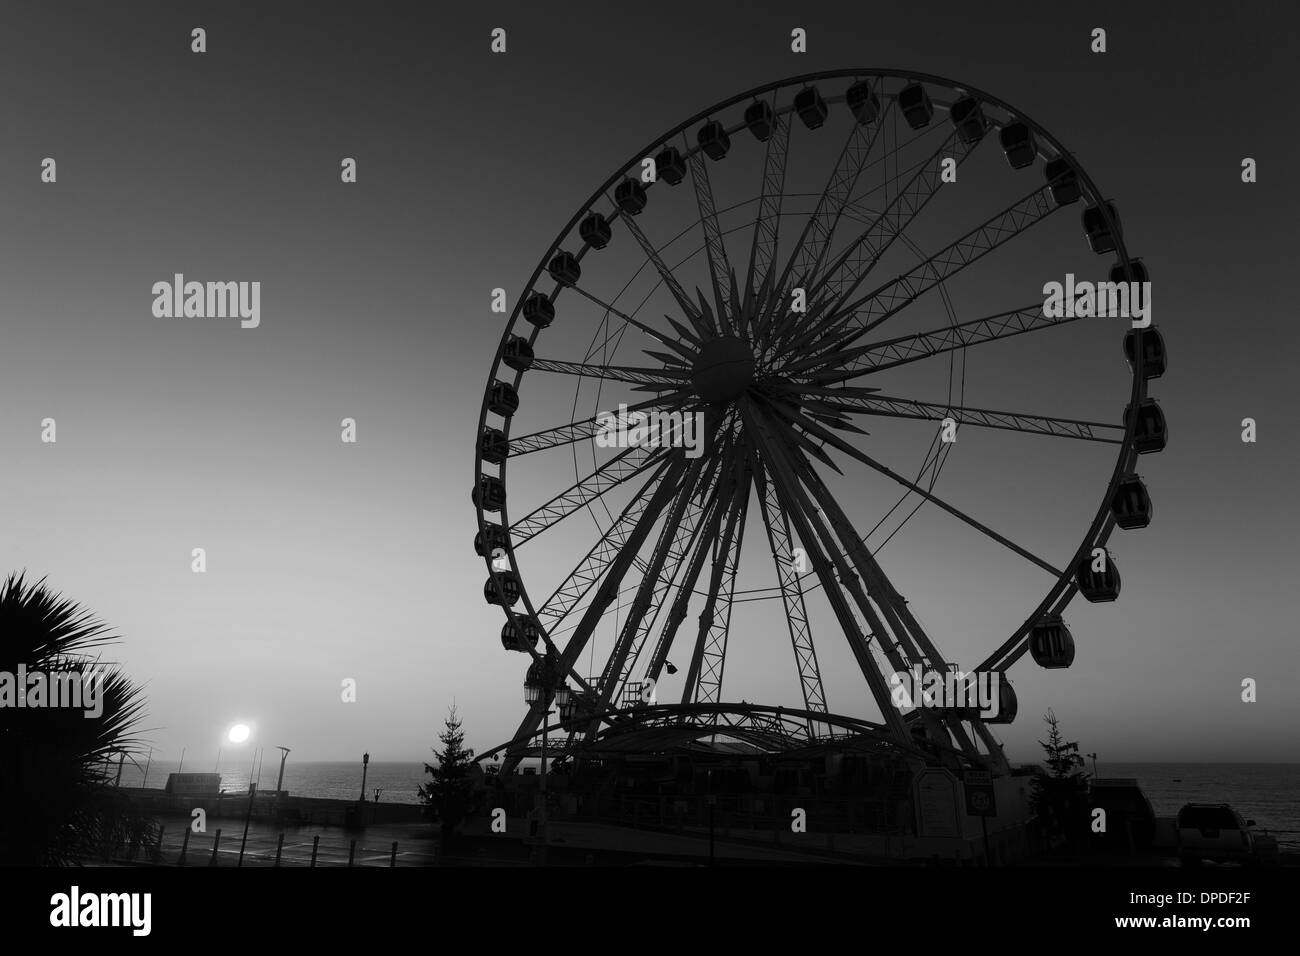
(279, 784)
(561, 705)
(365, 766)
(539, 687)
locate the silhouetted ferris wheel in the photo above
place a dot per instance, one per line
(804, 272)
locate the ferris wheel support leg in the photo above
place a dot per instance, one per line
(683, 539)
(889, 633)
(700, 520)
(787, 490)
(995, 753)
(728, 546)
(715, 650)
(870, 574)
(641, 602)
(604, 596)
(777, 525)
(902, 623)
(681, 603)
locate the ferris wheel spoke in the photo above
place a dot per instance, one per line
(815, 237)
(768, 222)
(660, 337)
(791, 496)
(819, 231)
(689, 309)
(845, 399)
(832, 439)
(777, 525)
(913, 348)
(849, 322)
(625, 465)
(663, 378)
(589, 427)
(598, 560)
(719, 268)
(856, 261)
(852, 266)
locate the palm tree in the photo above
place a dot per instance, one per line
(57, 807)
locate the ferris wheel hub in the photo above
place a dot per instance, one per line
(723, 370)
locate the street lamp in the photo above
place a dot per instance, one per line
(538, 684)
(279, 784)
(534, 689)
(365, 767)
(569, 703)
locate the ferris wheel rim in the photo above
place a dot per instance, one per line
(1102, 524)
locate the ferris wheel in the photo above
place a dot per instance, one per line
(735, 382)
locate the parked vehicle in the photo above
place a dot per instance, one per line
(1215, 832)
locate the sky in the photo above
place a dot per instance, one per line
(329, 561)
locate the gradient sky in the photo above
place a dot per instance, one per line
(328, 561)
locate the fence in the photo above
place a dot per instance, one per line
(227, 846)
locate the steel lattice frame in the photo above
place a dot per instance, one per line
(795, 412)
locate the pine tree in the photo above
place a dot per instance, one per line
(1063, 755)
(1057, 793)
(449, 794)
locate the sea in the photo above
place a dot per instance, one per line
(396, 782)
(1267, 793)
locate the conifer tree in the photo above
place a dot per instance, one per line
(448, 795)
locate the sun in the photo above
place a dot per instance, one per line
(239, 733)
